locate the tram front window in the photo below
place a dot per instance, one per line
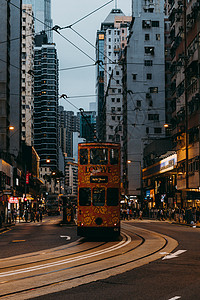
(99, 156)
(112, 197)
(114, 156)
(83, 156)
(84, 196)
(98, 196)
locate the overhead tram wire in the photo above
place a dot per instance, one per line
(65, 27)
(47, 25)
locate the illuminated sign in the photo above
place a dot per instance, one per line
(168, 163)
(13, 200)
(98, 179)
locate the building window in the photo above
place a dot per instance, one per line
(153, 117)
(138, 103)
(117, 72)
(157, 130)
(153, 90)
(113, 99)
(149, 76)
(158, 37)
(147, 130)
(155, 23)
(118, 99)
(134, 76)
(113, 118)
(149, 50)
(147, 37)
(148, 63)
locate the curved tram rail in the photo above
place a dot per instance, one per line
(90, 266)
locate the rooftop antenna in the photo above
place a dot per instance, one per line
(115, 4)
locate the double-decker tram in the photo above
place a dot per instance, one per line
(98, 206)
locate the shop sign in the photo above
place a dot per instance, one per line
(13, 200)
(168, 164)
(27, 177)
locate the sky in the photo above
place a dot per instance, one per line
(79, 83)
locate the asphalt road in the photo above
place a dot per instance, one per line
(30, 237)
(174, 278)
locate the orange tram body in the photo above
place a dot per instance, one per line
(98, 207)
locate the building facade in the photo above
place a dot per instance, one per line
(144, 88)
(185, 84)
(46, 103)
(42, 14)
(27, 84)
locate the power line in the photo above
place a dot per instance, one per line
(69, 26)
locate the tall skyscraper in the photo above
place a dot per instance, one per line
(27, 74)
(42, 13)
(46, 102)
(10, 76)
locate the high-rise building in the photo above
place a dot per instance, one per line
(185, 103)
(102, 70)
(27, 74)
(46, 103)
(68, 123)
(88, 125)
(10, 76)
(71, 176)
(144, 97)
(42, 14)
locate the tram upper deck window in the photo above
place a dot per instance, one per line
(84, 196)
(83, 156)
(112, 196)
(98, 196)
(114, 156)
(99, 156)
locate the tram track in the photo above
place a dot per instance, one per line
(126, 231)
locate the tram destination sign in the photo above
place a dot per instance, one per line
(98, 179)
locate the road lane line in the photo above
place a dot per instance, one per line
(175, 298)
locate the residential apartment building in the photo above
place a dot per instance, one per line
(107, 41)
(71, 176)
(185, 85)
(27, 84)
(144, 88)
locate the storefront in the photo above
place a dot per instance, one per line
(159, 183)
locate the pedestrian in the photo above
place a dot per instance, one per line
(130, 213)
(38, 216)
(26, 215)
(32, 216)
(15, 215)
(41, 215)
(140, 215)
(9, 216)
(127, 213)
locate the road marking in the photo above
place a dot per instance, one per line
(174, 255)
(121, 244)
(164, 253)
(66, 236)
(175, 298)
(18, 241)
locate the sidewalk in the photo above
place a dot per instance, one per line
(172, 221)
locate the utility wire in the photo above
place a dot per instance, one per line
(69, 26)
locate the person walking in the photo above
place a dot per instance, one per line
(26, 215)
(40, 215)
